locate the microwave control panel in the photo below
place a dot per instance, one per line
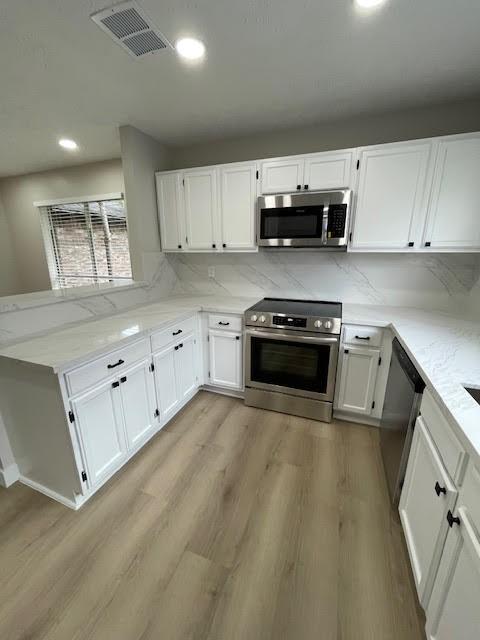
(337, 218)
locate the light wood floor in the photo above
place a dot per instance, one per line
(232, 524)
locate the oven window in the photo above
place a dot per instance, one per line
(290, 364)
(291, 222)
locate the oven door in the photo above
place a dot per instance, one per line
(304, 226)
(300, 365)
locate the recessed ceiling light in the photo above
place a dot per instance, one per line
(369, 4)
(190, 48)
(66, 143)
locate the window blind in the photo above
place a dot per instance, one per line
(86, 242)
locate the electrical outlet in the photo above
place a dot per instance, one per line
(211, 272)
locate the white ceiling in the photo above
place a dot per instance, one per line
(270, 63)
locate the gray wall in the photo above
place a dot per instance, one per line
(141, 157)
(18, 195)
(8, 268)
(360, 131)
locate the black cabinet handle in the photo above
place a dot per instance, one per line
(117, 364)
(428, 244)
(176, 347)
(224, 245)
(362, 337)
(123, 379)
(237, 337)
(439, 489)
(299, 186)
(115, 384)
(214, 246)
(176, 333)
(179, 246)
(306, 186)
(411, 244)
(451, 520)
(180, 345)
(223, 324)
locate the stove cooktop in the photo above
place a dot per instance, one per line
(299, 315)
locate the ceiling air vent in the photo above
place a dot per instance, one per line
(129, 26)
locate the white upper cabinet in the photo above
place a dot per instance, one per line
(454, 214)
(283, 175)
(328, 170)
(238, 188)
(391, 198)
(200, 187)
(171, 213)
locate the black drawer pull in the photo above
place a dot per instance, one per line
(299, 186)
(362, 337)
(237, 337)
(123, 379)
(214, 246)
(306, 186)
(180, 346)
(115, 384)
(439, 489)
(451, 520)
(224, 324)
(117, 364)
(224, 245)
(179, 246)
(176, 347)
(176, 333)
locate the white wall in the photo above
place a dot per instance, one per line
(20, 192)
(141, 157)
(360, 131)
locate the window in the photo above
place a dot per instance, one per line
(86, 242)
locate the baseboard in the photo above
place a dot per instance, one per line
(9, 475)
(223, 392)
(71, 504)
(348, 417)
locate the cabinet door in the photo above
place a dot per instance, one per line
(200, 208)
(98, 416)
(225, 359)
(391, 200)
(138, 403)
(427, 495)
(328, 171)
(186, 367)
(454, 214)
(171, 213)
(238, 195)
(358, 374)
(166, 383)
(283, 175)
(454, 608)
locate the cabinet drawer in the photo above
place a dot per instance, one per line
(106, 366)
(366, 336)
(449, 448)
(176, 331)
(227, 323)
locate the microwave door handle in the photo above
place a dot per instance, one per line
(325, 224)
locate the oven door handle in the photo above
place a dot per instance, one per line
(288, 336)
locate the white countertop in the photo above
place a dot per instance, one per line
(446, 350)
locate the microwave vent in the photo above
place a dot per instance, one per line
(129, 26)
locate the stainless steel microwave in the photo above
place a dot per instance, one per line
(314, 219)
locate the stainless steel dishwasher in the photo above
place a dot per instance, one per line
(400, 410)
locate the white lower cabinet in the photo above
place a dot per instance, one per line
(137, 392)
(357, 378)
(427, 496)
(225, 350)
(454, 607)
(98, 416)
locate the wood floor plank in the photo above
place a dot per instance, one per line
(232, 523)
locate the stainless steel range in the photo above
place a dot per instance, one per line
(291, 352)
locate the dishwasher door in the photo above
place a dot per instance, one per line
(402, 402)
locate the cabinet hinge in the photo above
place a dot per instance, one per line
(257, 174)
(84, 476)
(358, 165)
(186, 240)
(71, 416)
(350, 236)
(152, 367)
(208, 338)
(373, 404)
(209, 374)
(157, 413)
(183, 181)
(380, 361)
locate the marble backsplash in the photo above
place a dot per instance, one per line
(444, 282)
(34, 313)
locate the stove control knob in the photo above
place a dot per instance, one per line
(262, 319)
(317, 324)
(254, 318)
(328, 324)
